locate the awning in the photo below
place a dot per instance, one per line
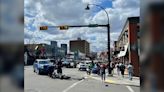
(123, 53)
(36, 47)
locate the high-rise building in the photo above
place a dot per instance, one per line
(54, 48)
(54, 43)
(64, 46)
(80, 45)
(60, 52)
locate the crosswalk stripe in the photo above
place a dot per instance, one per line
(130, 89)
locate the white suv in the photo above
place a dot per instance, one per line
(82, 66)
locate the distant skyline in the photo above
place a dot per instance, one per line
(61, 12)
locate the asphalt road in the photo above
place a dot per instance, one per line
(42, 83)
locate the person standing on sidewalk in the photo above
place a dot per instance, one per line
(118, 69)
(112, 65)
(109, 67)
(122, 69)
(130, 71)
(102, 72)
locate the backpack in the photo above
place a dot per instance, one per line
(122, 67)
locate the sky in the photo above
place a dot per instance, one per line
(72, 12)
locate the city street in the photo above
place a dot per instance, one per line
(43, 83)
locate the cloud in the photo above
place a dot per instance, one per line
(126, 4)
(72, 12)
(121, 10)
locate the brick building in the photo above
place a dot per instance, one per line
(126, 48)
(80, 45)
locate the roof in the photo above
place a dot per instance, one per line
(79, 41)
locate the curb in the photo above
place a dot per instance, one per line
(114, 82)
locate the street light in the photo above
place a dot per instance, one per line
(108, 26)
(87, 8)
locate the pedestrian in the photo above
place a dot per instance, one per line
(112, 65)
(122, 69)
(102, 72)
(98, 69)
(130, 71)
(59, 67)
(109, 69)
(89, 69)
(92, 64)
(118, 69)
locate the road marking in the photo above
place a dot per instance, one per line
(108, 81)
(73, 85)
(130, 89)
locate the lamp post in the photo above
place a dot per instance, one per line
(108, 27)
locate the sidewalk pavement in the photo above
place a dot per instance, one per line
(115, 79)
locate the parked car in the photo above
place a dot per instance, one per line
(42, 66)
(95, 70)
(82, 66)
(65, 63)
(69, 63)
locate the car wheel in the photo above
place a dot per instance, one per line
(34, 70)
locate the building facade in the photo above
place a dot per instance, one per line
(64, 46)
(126, 47)
(54, 48)
(80, 45)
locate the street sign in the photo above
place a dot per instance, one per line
(93, 25)
(44, 28)
(65, 27)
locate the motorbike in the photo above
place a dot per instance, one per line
(53, 74)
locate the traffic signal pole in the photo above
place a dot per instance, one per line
(88, 26)
(65, 27)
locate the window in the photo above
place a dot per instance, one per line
(43, 62)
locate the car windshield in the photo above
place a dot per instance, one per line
(81, 62)
(44, 62)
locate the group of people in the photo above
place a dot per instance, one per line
(57, 66)
(120, 67)
(100, 68)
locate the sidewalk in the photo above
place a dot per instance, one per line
(115, 79)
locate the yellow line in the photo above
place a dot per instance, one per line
(107, 81)
(110, 81)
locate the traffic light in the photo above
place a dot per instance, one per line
(63, 27)
(44, 28)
